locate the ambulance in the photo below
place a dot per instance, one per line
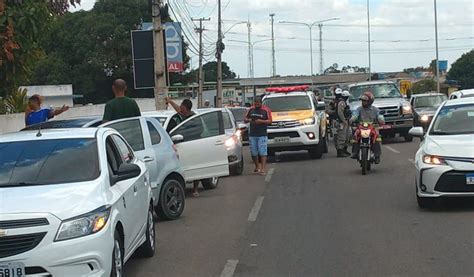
(299, 121)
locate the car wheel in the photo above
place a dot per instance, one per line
(210, 183)
(147, 249)
(238, 169)
(117, 256)
(326, 144)
(172, 200)
(408, 137)
(317, 151)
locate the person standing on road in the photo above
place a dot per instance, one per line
(259, 117)
(121, 106)
(343, 114)
(35, 114)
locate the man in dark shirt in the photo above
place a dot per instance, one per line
(121, 106)
(184, 110)
(259, 117)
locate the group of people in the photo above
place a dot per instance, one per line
(340, 114)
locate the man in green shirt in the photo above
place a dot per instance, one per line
(121, 106)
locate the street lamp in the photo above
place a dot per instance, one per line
(310, 27)
(438, 86)
(235, 24)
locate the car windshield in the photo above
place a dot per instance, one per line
(239, 114)
(378, 90)
(290, 103)
(454, 120)
(47, 162)
(429, 101)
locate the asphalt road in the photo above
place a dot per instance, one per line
(317, 218)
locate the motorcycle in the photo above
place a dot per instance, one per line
(366, 135)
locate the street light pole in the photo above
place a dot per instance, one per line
(438, 85)
(368, 35)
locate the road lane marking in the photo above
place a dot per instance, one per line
(412, 161)
(270, 172)
(255, 209)
(229, 268)
(392, 149)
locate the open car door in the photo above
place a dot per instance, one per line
(200, 141)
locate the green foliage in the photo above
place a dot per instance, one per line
(16, 102)
(3, 108)
(423, 86)
(463, 70)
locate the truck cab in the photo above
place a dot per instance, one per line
(299, 122)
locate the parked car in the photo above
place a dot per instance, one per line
(445, 160)
(462, 94)
(393, 106)
(171, 119)
(424, 107)
(239, 115)
(73, 203)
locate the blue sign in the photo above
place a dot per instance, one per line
(443, 66)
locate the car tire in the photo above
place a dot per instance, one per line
(326, 144)
(425, 202)
(238, 169)
(408, 137)
(271, 153)
(210, 183)
(317, 151)
(147, 249)
(172, 200)
(117, 256)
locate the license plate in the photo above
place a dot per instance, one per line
(278, 140)
(12, 270)
(387, 126)
(469, 179)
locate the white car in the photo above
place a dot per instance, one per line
(466, 93)
(445, 160)
(72, 203)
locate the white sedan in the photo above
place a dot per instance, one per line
(72, 203)
(445, 160)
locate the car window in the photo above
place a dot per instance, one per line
(154, 134)
(46, 162)
(126, 154)
(227, 121)
(429, 101)
(174, 121)
(378, 90)
(454, 120)
(290, 103)
(113, 156)
(131, 130)
(199, 127)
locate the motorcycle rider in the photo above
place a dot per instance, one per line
(370, 114)
(343, 114)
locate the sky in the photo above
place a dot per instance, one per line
(402, 32)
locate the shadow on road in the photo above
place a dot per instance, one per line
(452, 205)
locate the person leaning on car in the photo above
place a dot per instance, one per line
(121, 106)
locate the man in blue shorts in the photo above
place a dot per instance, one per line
(259, 117)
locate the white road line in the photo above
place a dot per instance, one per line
(255, 209)
(270, 172)
(393, 150)
(229, 268)
(412, 161)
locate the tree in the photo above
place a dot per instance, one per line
(16, 102)
(332, 69)
(423, 86)
(210, 72)
(463, 70)
(353, 69)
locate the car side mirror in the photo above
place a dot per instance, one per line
(321, 106)
(417, 132)
(241, 126)
(177, 138)
(125, 172)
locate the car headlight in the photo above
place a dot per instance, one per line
(424, 118)
(83, 225)
(435, 160)
(406, 109)
(308, 121)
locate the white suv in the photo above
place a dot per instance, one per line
(72, 203)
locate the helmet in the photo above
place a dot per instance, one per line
(338, 91)
(367, 96)
(346, 94)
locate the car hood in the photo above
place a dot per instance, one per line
(459, 146)
(63, 201)
(381, 102)
(427, 110)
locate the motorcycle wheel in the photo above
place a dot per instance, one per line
(364, 160)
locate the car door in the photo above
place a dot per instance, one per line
(135, 132)
(138, 200)
(202, 152)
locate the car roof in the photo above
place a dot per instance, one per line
(465, 91)
(379, 82)
(427, 94)
(460, 101)
(285, 94)
(162, 113)
(50, 134)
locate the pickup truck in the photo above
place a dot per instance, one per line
(393, 106)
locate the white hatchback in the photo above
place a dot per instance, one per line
(72, 203)
(445, 160)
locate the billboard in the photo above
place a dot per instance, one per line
(443, 66)
(174, 47)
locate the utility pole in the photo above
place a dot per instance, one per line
(161, 89)
(438, 85)
(368, 35)
(219, 49)
(201, 54)
(321, 61)
(272, 15)
(249, 40)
